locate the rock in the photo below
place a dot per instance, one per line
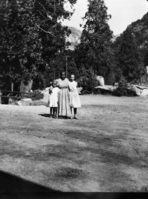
(135, 89)
(12, 101)
(100, 80)
(73, 38)
(144, 93)
(25, 102)
(139, 90)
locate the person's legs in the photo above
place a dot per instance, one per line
(51, 111)
(58, 111)
(71, 111)
(75, 113)
(55, 112)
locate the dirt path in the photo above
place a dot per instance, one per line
(105, 150)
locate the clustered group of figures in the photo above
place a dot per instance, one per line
(64, 97)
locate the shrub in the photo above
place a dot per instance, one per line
(110, 79)
(87, 81)
(85, 92)
(96, 91)
(123, 90)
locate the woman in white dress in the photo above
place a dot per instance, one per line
(74, 95)
(63, 97)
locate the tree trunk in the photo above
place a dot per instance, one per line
(12, 86)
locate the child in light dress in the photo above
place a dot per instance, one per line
(50, 90)
(53, 104)
(74, 96)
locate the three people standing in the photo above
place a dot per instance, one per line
(68, 97)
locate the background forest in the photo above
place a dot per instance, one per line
(34, 45)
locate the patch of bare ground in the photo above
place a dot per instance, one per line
(106, 149)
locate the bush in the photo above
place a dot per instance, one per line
(87, 80)
(96, 91)
(85, 92)
(123, 90)
(110, 79)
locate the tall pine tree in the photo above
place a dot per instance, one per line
(94, 50)
(128, 57)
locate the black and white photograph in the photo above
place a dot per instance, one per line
(73, 98)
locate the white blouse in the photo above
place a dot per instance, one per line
(73, 86)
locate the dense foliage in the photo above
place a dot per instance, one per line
(30, 36)
(122, 89)
(95, 50)
(34, 45)
(128, 57)
(131, 49)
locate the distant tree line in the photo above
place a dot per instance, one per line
(33, 45)
(123, 60)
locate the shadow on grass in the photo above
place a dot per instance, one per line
(45, 115)
(16, 187)
(59, 117)
(12, 186)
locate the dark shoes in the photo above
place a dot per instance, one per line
(68, 117)
(64, 117)
(53, 116)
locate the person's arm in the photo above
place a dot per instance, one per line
(77, 87)
(58, 84)
(68, 86)
(76, 84)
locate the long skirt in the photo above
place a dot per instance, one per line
(75, 100)
(64, 103)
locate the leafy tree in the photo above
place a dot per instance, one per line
(87, 80)
(20, 46)
(50, 14)
(128, 57)
(31, 34)
(146, 59)
(95, 48)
